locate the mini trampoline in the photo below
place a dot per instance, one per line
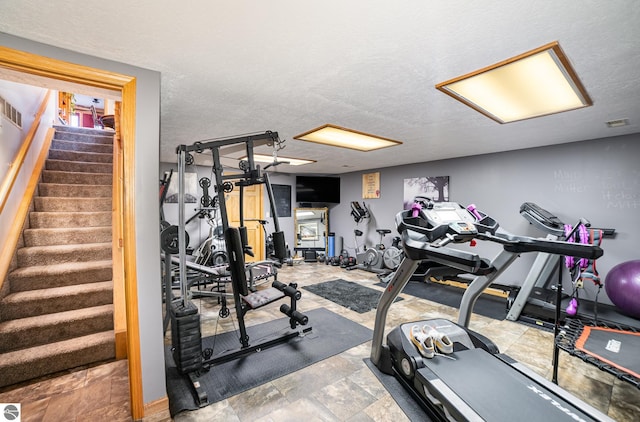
(613, 349)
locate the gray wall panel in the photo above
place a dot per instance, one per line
(598, 180)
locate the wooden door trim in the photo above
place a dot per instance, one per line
(33, 64)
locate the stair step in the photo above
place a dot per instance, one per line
(39, 220)
(78, 156)
(58, 310)
(77, 166)
(77, 177)
(35, 362)
(66, 236)
(74, 190)
(68, 204)
(58, 299)
(55, 254)
(71, 132)
(34, 331)
(59, 275)
(64, 145)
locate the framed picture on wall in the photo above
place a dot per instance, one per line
(190, 188)
(435, 188)
(282, 198)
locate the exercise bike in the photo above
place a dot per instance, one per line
(211, 252)
(378, 258)
(470, 380)
(372, 259)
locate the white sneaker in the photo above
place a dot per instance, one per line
(423, 342)
(442, 342)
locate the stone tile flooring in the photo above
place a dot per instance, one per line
(340, 388)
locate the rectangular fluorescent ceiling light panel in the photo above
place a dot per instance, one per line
(346, 138)
(263, 158)
(304, 213)
(533, 84)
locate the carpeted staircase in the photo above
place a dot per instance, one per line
(58, 313)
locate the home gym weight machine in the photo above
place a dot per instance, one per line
(467, 384)
(191, 360)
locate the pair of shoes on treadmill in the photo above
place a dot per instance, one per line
(429, 341)
(423, 342)
(442, 341)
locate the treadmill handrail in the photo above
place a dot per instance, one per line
(517, 244)
(424, 241)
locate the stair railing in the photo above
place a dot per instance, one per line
(9, 181)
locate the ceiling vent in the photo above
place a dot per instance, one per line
(617, 123)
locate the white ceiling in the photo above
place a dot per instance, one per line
(235, 67)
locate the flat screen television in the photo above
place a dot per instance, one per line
(318, 189)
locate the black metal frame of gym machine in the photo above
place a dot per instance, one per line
(251, 175)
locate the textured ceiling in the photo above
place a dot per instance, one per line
(235, 67)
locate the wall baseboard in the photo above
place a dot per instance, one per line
(157, 406)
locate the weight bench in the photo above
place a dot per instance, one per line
(254, 300)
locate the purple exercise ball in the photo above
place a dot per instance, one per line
(622, 285)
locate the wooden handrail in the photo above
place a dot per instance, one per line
(16, 229)
(16, 165)
(119, 288)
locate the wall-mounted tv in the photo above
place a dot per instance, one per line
(319, 189)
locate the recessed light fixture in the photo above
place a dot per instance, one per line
(346, 138)
(533, 84)
(263, 158)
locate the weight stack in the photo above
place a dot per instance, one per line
(186, 338)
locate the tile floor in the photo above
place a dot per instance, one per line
(340, 388)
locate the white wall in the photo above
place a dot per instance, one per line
(26, 99)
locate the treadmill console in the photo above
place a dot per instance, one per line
(444, 221)
(542, 219)
(459, 219)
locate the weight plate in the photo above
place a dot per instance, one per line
(219, 258)
(169, 239)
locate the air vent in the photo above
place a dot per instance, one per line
(10, 113)
(617, 122)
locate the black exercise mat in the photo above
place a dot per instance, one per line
(331, 334)
(408, 405)
(348, 294)
(486, 305)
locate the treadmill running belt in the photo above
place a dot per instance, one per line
(616, 347)
(496, 391)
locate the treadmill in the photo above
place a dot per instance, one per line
(537, 299)
(475, 382)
